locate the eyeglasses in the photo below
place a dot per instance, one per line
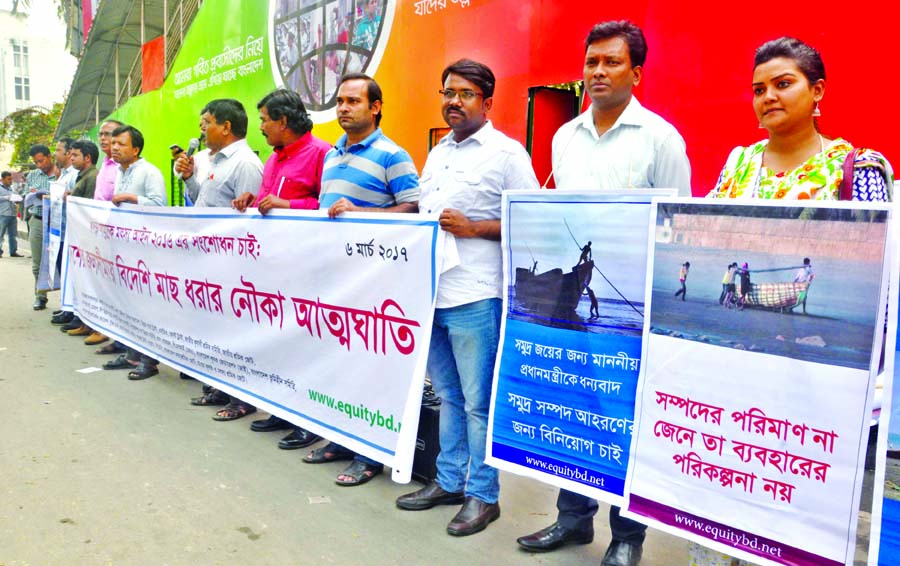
(464, 95)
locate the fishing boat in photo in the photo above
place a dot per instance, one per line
(777, 296)
(553, 293)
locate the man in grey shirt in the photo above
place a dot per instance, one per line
(7, 214)
(234, 168)
(37, 183)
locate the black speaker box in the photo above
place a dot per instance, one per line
(427, 444)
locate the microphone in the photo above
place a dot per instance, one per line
(192, 147)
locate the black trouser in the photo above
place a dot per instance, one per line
(136, 356)
(682, 291)
(577, 512)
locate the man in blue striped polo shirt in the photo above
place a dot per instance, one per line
(364, 172)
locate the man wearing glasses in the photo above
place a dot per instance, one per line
(106, 178)
(105, 186)
(463, 180)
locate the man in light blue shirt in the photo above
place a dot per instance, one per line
(63, 157)
(139, 182)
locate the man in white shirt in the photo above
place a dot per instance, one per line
(615, 144)
(463, 180)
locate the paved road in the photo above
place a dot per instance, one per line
(95, 469)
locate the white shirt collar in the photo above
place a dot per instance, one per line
(633, 115)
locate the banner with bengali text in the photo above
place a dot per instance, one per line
(563, 399)
(325, 323)
(754, 404)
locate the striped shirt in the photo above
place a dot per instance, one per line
(375, 172)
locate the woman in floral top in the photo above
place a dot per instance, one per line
(797, 162)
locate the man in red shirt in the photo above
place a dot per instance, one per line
(291, 179)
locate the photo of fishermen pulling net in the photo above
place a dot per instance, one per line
(781, 281)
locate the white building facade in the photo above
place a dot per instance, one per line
(36, 69)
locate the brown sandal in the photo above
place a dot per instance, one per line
(233, 411)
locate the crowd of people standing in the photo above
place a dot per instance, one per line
(366, 171)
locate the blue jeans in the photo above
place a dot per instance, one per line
(461, 364)
(8, 227)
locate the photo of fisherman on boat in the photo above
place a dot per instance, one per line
(798, 282)
(578, 266)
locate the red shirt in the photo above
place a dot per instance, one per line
(294, 172)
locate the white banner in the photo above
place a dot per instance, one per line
(325, 323)
(754, 403)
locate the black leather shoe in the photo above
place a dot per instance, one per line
(554, 537)
(299, 438)
(474, 517)
(429, 496)
(622, 554)
(62, 318)
(270, 424)
(39, 305)
(16, 255)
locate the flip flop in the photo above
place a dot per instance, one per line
(359, 473)
(321, 455)
(119, 363)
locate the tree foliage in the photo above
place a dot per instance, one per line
(26, 127)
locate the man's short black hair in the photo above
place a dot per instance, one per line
(5, 174)
(632, 34)
(373, 93)
(67, 142)
(287, 103)
(137, 138)
(38, 148)
(87, 149)
(229, 110)
(476, 73)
